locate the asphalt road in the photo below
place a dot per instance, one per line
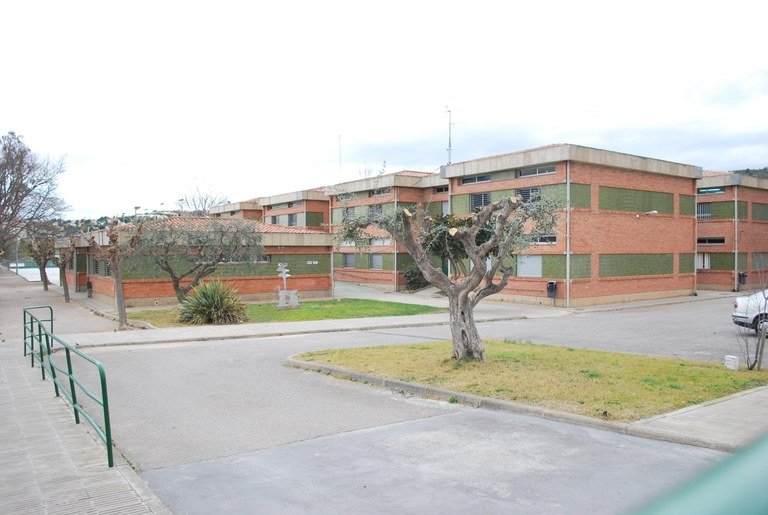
(225, 424)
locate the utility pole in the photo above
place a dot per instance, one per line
(449, 133)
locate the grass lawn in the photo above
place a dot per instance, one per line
(607, 385)
(310, 310)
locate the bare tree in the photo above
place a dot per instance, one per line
(489, 239)
(751, 340)
(199, 203)
(190, 249)
(122, 243)
(28, 186)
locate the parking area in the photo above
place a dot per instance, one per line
(224, 423)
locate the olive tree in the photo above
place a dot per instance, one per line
(41, 245)
(482, 247)
(190, 249)
(122, 242)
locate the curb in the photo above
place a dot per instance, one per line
(283, 333)
(104, 314)
(476, 401)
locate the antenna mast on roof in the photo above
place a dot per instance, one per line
(449, 133)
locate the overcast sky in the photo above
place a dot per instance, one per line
(148, 100)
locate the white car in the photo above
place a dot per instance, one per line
(750, 311)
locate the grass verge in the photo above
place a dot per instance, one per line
(606, 385)
(311, 310)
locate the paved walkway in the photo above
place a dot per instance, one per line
(47, 463)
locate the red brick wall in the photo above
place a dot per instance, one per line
(378, 277)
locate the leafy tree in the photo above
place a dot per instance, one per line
(122, 242)
(190, 249)
(487, 239)
(28, 186)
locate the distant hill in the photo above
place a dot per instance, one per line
(758, 172)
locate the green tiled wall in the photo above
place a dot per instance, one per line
(759, 211)
(687, 205)
(724, 261)
(553, 266)
(760, 261)
(314, 219)
(686, 263)
(142, 267)
(724, 210)
(620, 265)
(622, 199)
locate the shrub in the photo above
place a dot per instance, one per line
(212, 303)
(414, 278)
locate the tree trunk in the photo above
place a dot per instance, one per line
(181, 293)
(466, 340)
(122, 316)
(43, 276)
(63, 281)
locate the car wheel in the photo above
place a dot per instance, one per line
(756, 323)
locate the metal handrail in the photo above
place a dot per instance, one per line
(35, 331)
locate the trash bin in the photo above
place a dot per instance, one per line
(89, 289)
(551, 289)
(742, 278)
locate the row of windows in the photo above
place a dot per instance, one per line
(375, 242)
(523, 172)
(375, 261)
(478, 201)
(711, 241)
(709, 191)
(292, 220)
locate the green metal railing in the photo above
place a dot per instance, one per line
(39, 331)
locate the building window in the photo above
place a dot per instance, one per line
(289, 204)
(529, 194)
(349, 212)
(703, 211)
(273, 220)
(375, 210)
(292, 219)
(528, 266)
(380, 242)
(476, 178)
(376, 261)
(347, 243)
(349, 260)
(711, 241)
(95, 267)
(378, 192)
(478, 201)
(441, 189)
(107, 269)
(545, 239)
(709, 191)
(537, 170)
(264, 258)
(703, 261)
(446, 207)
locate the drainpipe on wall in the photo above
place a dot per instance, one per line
(395, 260)
(567, 234)
(330, 231)
(735, 238)
(695, 241)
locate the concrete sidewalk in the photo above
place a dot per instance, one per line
(48, 464)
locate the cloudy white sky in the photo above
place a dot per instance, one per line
(149, 100)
